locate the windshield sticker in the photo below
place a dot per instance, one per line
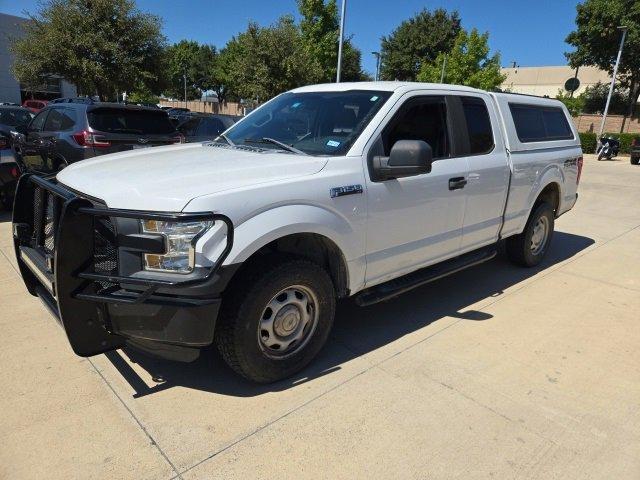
(374, 98)
(333, 143)
(295, 105)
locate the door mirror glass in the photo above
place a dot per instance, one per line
(407, 158)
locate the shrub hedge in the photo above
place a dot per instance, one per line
(589, 141)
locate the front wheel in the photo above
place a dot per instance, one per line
(528, 248)
(276, 318)
(635, 160)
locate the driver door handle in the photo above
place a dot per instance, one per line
(456, 183)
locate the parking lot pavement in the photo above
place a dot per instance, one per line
(495, 372)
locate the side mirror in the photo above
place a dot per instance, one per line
(407, 158)
(21, 129)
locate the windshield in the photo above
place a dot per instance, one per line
(316, 123)
(15, 117)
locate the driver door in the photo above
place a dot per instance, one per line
(31, 151)
(415, 221)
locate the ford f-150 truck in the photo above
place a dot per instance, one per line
(361, 190)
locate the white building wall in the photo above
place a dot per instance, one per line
(10, 28)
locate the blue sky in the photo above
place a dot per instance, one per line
(528, 32)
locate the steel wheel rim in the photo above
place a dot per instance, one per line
(288, 321)
(539, 235)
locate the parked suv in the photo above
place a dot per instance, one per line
(200, 127)
(361, 190)
(11, 118)
(35, 105)
(65, 132)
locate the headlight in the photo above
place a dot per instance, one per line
(180, 254)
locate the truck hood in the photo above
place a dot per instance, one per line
(167, 178)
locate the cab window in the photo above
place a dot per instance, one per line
(423, 118)
(478, 123)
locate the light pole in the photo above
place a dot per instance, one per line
(444, 66)
(184, 77)
(377, 55)
(613, 82)
(341, 40)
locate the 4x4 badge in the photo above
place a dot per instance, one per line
(143, 140)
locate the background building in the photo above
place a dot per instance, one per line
(10, 89)
(548, 81)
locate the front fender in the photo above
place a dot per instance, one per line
(261, 229)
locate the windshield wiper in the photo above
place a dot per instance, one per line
(282, 145)
(227, 139)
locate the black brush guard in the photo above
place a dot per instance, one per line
(57, 263)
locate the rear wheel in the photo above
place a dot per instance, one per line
(276, 318)
(528, 248)
(635, 160)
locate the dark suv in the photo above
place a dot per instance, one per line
(200, 127)
(66, 132)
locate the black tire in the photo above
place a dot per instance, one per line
(238, 330)
(635, 160)
(519, 247)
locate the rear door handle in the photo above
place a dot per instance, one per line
(457, 183)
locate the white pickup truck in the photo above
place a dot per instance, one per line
(361, 190)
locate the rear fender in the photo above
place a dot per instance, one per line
(552, 174)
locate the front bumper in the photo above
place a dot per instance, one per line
(102, 311)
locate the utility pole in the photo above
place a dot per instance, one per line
(575, 76)
(341, 41)
(444, 66)
(377, 55)
(613, 82)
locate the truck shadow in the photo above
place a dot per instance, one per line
(357, 330)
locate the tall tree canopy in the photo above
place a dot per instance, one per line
(102, 46)
(265, 61)
(320, 29)
(468, 63)
(416, 41)
(597, 38)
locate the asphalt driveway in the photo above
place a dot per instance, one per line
(496, 372)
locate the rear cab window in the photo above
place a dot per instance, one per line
(130, 121)
(537, 123)
(476, 116)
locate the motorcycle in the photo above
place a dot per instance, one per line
(609, 148)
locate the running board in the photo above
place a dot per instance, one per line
(403, 284)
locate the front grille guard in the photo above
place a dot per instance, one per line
(75, 257)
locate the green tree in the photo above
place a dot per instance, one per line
(320, 29)
(265, 61)
(595, 97)
(416, 41)
(468, 63)
(102, 46)
(596, 41)
(574, 104)
(184, 58)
